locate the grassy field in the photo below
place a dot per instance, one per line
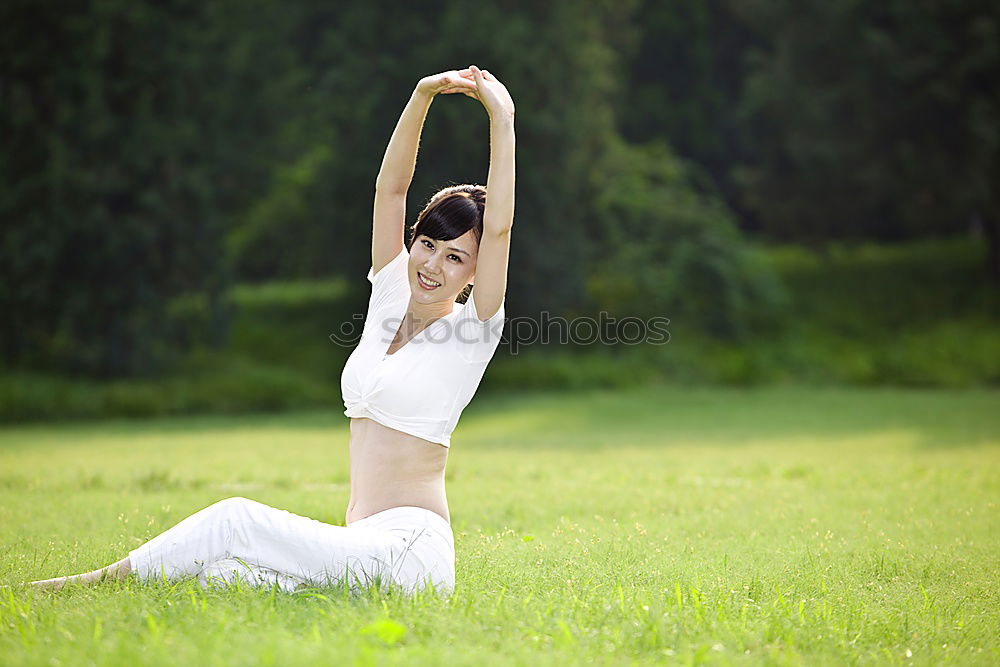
(774, 525)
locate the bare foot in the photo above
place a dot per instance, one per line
(50, 584)
(117, 570)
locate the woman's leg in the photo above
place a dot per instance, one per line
(231, 570)
(266, 537)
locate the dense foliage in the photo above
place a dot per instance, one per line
(155, 154)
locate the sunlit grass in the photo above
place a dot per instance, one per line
(779, 525)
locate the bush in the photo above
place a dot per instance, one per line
(673, 252)
(227, 385)
(913, 314)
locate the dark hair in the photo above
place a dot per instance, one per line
(450, 213)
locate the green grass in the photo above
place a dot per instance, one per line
(778, 525)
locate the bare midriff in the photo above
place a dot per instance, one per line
(390, 468)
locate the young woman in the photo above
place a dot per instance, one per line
(419, 362)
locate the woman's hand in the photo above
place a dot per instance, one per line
(447, 82)
(490, 92)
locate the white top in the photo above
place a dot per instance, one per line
(421, 388)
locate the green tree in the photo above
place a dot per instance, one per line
(685, 71)
(132, 132)
(154, 152)
(873, 120)
(672, 251)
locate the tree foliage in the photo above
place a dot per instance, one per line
(132, 131)
(672, 251)
(871, 120)
(154, 153)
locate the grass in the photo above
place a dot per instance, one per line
(775, 525)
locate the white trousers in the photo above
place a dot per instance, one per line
(243, 539)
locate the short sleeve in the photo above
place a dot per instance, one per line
(477, 339)
(390, 283)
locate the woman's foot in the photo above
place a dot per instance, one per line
(117, 570)
(49, 584)
(59, 582)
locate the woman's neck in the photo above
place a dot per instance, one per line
(420, 315)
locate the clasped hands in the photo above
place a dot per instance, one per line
(472, 82)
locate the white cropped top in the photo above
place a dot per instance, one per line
(421, 388)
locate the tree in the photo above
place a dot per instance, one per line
(132, 132)
(873, 120)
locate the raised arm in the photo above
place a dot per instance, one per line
(399, 162)
(490, 284)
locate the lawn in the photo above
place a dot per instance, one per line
(780, 525)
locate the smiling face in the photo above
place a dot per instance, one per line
(450, 264)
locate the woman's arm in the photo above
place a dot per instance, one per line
(490, 284)
(400, 157)
(498, 217)
(399, 162)
(389, 213)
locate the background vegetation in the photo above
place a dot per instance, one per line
(808, 190)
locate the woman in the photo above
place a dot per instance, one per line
(419, 362)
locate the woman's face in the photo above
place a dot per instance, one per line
(451, 264)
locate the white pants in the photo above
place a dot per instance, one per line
(237, 538)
